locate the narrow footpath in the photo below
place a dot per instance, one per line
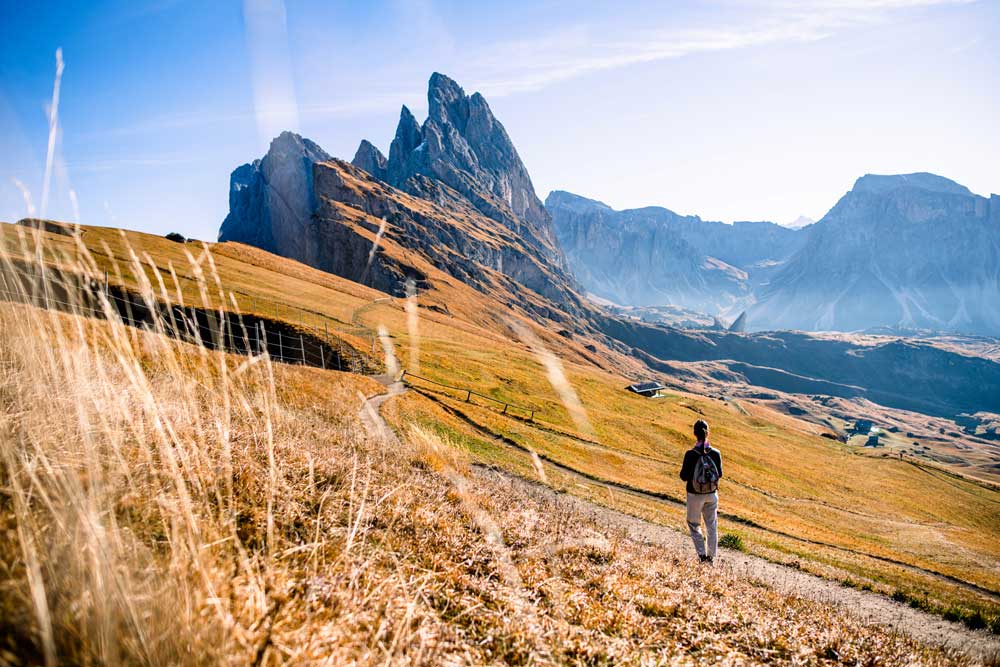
(870, 607)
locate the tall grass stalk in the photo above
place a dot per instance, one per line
(118, 468)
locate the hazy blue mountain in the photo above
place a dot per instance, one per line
(903, 251)
(653, 256)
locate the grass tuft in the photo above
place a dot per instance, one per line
(732, 541)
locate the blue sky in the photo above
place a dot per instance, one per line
(729, 109)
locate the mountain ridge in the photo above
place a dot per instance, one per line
(652, 256)
(462, 144)
(436, 194)
(899, 251)
(299, 202)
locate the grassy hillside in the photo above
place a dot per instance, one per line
(791, 495)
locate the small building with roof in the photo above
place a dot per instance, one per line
(862, 427)
(647, 389)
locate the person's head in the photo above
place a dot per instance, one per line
(701, 430)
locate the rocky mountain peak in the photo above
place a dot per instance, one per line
(575, 203)
(447, 103)
(371, 159)
(269, 197)
(481, 203)
(464, 146)
(903, 251)
(800, 222)
(409, 135)
(289, 144)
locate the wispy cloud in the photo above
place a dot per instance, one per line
(53, 129)
(510, 67)
(519, 66)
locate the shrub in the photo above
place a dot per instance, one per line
(732, 541)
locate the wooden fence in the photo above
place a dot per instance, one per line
(469, 393)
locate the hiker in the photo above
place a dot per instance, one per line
(702, 470)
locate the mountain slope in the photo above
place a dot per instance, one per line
(791, 495)
(904, 251)
(653, 256)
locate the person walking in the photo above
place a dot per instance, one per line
(702, 470)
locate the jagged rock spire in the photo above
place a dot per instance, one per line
(464, 146)
(371, 159)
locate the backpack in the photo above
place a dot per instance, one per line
(706, 474)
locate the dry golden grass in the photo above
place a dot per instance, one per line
(166, 504)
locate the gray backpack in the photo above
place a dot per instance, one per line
(706, 474)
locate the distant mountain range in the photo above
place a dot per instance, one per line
(913, 251)
(653, 256)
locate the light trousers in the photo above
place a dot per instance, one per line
(703, 506)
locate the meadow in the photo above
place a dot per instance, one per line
(182, 505)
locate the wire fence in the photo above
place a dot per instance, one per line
(229, 330)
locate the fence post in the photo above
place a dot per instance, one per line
(302, 346)
(468, 395)
(532, 417)
(504, 409)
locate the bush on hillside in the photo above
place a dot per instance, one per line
(732, 541)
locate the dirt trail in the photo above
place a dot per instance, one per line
(676, 502)
(871, 607)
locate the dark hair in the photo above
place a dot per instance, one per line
(701, 430)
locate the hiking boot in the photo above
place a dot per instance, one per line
(704, 559)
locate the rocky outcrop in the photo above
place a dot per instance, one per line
(740, 324)
(370, 158)
(653, 256)
(905, 252)
(272, 198)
